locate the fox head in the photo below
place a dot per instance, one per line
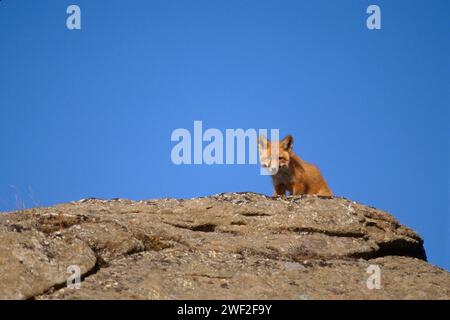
(270, 159)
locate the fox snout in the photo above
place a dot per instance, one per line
(265, 164)
(268, 162)
(271, 165)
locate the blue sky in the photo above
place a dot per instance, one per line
(89, 113)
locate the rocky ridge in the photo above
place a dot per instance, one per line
(226, 246)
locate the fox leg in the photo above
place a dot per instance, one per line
(298, 189)
(280, 190)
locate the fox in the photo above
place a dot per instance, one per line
(290, 173)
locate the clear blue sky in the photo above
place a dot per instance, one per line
(89, 113)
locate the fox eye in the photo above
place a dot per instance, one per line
(282, 159)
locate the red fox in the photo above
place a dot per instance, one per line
(294, 175)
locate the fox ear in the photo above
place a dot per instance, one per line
(287, 142)
(263, 141)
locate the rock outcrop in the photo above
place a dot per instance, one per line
(227, 246)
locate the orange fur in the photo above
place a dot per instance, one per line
(294, 175)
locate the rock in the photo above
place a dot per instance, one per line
(227, 246)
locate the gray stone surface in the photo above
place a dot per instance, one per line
(227, 246)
